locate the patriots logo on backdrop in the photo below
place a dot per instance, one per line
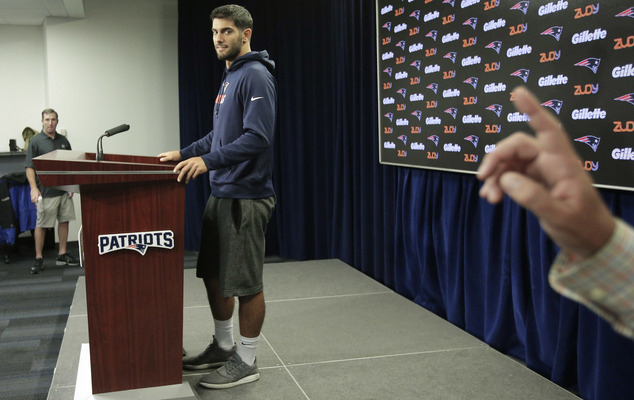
(401, 44)
(554, 31)
(451, 55)
(554, 104)
(389, 116)
(415, 14)
(590, 140)
(434, 138)
(472, 22)
(402, 91)
(388, 26)
(496, 108)
(628, 98)
(403, 139)
(432, 34)
(448, 2)
(433, 86)
(418, 114)
(522, 6)
(452, 111)
(591, 63)
(495, 45)
(473, 139)
(416, 64)
(388, 70)
(522, 73)
(626, 13)
(473, 81)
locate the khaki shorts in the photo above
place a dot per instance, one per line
(59, 208)
(232, 243)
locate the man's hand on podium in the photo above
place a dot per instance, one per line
(170, 156)
(188, 169)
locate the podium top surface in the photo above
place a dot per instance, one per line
(69, 167)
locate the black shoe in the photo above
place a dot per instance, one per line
(38, 266)
(212, 357)
(66, 259)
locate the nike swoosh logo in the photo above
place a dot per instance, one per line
(256, 98)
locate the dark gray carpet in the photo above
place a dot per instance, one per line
(33, 314)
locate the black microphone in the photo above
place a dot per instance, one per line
(117, 129)
(108, 133)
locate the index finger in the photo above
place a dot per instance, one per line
(547, 128)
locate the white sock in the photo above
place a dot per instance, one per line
(247, 349)
(224, 333)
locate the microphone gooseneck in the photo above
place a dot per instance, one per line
(108, 133)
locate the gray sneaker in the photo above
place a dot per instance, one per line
(235, 372)
(212, 357)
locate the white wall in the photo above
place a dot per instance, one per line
(22, 78)
(118, 65)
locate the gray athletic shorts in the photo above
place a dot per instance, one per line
(60, 208)
(232, 243)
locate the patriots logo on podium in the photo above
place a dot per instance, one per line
(473, 81)
(415, 14)
(433, 86)
(432, 34)
(389, 116)
(451, 2)
(388, 71)
(388, 26)
(554, 104)
(496, 108)
(591, 63)
(401, 44)
(403, 139)
(402, 91)
(434, 138)
(554, 31)
(522, 74)
(416, 64)
(590, 140)
(418, 114)
(137, 241)
(495, 45)
(522, 6)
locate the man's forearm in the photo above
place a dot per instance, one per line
(30, 176)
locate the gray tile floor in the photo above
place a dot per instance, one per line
(333, 333)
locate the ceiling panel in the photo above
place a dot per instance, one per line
(34, 12)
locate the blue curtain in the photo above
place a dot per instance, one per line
(424, 233)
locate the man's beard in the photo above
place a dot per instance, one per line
(230, 54)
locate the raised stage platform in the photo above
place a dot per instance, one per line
(331, 332)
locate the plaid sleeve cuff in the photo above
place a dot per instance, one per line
(604, 282)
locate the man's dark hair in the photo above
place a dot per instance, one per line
(50, 111)
(239, 15)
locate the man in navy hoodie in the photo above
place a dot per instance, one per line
(238, 154)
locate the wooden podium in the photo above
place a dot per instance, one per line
(132, 211)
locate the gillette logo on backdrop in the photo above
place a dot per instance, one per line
(137, 241)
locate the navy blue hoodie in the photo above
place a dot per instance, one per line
(239, 150)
